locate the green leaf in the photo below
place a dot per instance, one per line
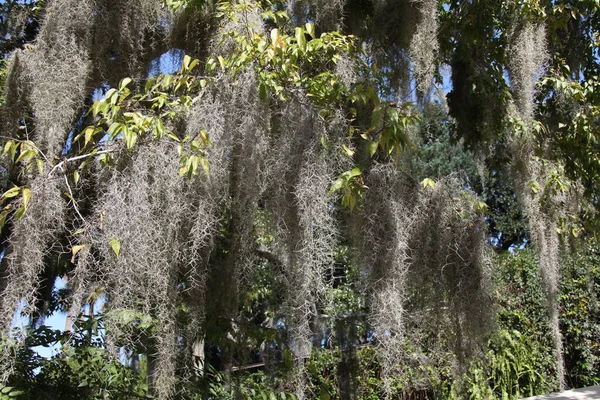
(310, 29)
(337, 185)
(76, 177)
(26, 197)
(70, 197)
(166, 81)
(324, 395)
(115, 245)
(173, 136)
(3, 216)
(114, 98)
(20, 213)
(13, 151)
(12, 192)
(274, 36)
(428, 183)
(376, 116)
(300, 39)
(354, 172)
(183, 170)
(160, 128)
(186, 62)
(107, 96)
(149, 83)
(27, 155)
(221, 62)
(40, 165)
(130, 138)
(372, 147)
(124, 82)
(348, 151)
(7, 147)
(288, 358)
(205, 165)
(535, 188)
(75, 250)
(262, 91)
(88, 133)
(105, 159)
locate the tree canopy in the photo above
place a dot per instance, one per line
(345, 175)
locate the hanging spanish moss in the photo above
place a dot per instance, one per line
(424, 46)
(426, 246)
(149, 239)
(57, 65)
(14, 93)
(57, 69)
(280, 144)
(32, 240)
(139, 262)
(127, 35)
(193, 29)
(405, 38)
(328, 15)
(80, 45)
(528, 58)
(388, 221)
(247, 141)
(310, 259)
(300, 173)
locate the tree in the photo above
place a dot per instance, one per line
(211, 205)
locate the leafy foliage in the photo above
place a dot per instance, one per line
(81, 367)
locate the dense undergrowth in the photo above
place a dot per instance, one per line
(515, 363)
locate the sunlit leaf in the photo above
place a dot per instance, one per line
(115, 245)
(26, 197)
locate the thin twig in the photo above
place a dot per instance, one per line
(71, 193)
(68, 160)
